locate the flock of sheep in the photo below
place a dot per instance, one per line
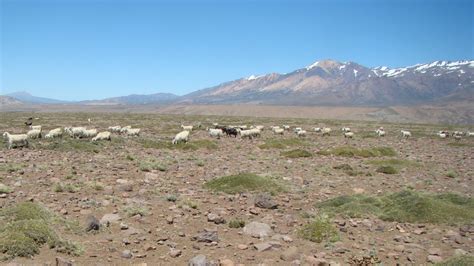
(21, 140)
(35, 132)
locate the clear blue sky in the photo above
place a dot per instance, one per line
(76, 50)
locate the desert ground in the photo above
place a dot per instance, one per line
(271, 200)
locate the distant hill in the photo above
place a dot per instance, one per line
(335, 83)
(28, 98)
(136, 99)
(7, 101)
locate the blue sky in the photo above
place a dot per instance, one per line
(76, 50)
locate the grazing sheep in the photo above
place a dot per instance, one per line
(286, 127)
(75, 132)
(278, 131)
(326, 131)
(274, 127)
(54, 133)
(16, 140)
(181, 136)
(29, 121)
(457, 137)
(380, 132)
(124, 129)
(470, 134)
(297, 129)
(458, 133)
(346, 129)
(348, 134)
(114, 129)
(215, 132)
(405, 134)
(89, 121)
(35, 127)
(317, 129)
(34, 134)
(187, 128)
(132, 132)
(442, 135)
(90, 133)
(260, 127)
(301, 133)
(250, 133)
(104, 135)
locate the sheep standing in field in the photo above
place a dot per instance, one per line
(34, 134)
(346, 129)
(279, 131)
(470, 134)
(17, 140)
(405, 134)
(215, 132)
(114, 129)
(260, 127)
(90, 133)
(132, 132)
(326, 131)
(35, 127)
(54, 133)
(75, 132)
(250, 133)
(301, 133)
(180, 137)
(442, 135)
(286, 127)
(380, 132)
(348, 135)
(187, 128)
(104, 135)
(297, 129)
(317, 129)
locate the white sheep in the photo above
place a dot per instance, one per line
(34, 134)
(442, 135)
(35, 127)
(297, 129)
(133, 132)
(317, 129)
(90, 133)
(278, 131)
(181, 136)
(250, 133)
(104, 135)
(380, 132)
(16, 140)
(54, 133)
(260, 127)
(326, 131)
(348, 135)
(115, 129)
(125, 128)
(213, 132)
(405, 134)
(187, 128)
(470, 134)
(301, 133)
(346, 129)
(286, 127)
(75, 132)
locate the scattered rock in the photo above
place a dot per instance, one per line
(62, 262)
(212, 217)
(290, 254)
(206, 236)
(434, 259)
(175, 253)
(262, 246)
(226, 262)
(92, 224)
(258, 230)
(199, 260)
(265, 201)
(110, 218)
(127, 254)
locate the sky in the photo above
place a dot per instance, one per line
(86, 49)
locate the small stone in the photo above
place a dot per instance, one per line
(62, 262)
(242, 247)
(110, 218)
(263, 246)
(92, 224)
(265, 201)
(434, 259)
(290, 254)
(127, 254)
(226, 262)
(169, 219)
(123, 226)
(206, 236)
(256, 229)
(175, 253)
(399, 248)
(434, 251)
(199, 260)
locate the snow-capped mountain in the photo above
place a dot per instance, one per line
(329, 82)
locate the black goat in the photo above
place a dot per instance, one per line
(230, 131)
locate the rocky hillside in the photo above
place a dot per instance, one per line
(330, 82)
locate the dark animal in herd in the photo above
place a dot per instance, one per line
(29, 121)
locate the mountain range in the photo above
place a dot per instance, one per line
(325, 82)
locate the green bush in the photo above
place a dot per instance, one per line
(319, 230)
(244, 182)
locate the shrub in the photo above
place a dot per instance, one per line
(387, 169)
(319, 230)
(244, 182)
(298, 153)
(349, 151)
(237, 223)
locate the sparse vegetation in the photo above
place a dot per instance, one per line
(172, 198)
(319, 229)
(452, 174)
(5, 189)
(236, 223)
(464, 260)
(148, 165)
(244, 182)
(387, 169)
(298, 153)
(405, 206)
(133, 210)
(282, 143)
(191, 145)
(349, 151)
(26, 227)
